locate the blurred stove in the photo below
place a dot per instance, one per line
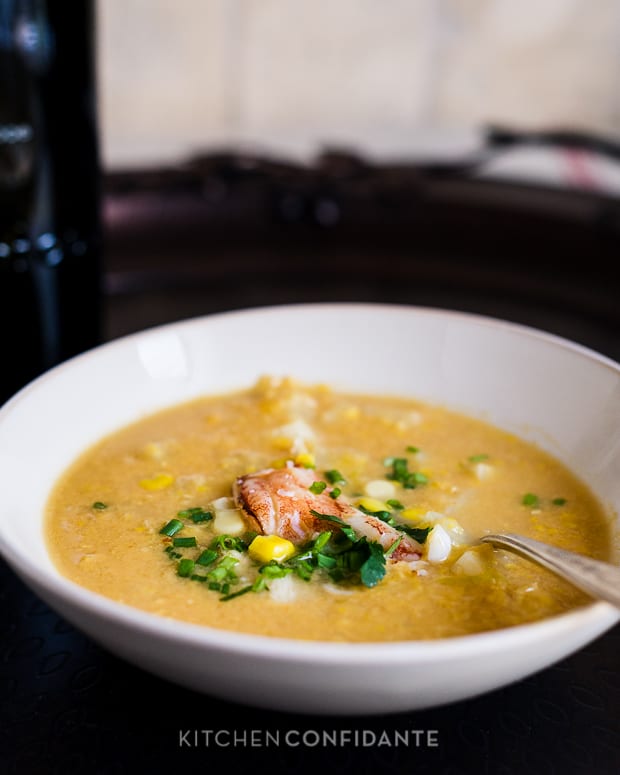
(230, 230)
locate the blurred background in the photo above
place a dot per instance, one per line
(457, 153)
(163, 161)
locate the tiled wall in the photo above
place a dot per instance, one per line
(179, 75)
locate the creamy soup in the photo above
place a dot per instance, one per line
(297, 511)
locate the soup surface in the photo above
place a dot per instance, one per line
(296, 511)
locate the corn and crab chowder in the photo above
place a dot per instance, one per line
(296, 511)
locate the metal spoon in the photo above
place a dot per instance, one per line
(599, 579)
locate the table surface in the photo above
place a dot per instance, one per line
(68, 706)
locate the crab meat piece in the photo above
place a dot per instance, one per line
(279, 502)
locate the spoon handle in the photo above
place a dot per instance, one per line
(600, 579)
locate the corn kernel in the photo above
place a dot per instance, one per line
(268, 548)
(414, 513)
(279, 463)
(373, 504)
(305, 459)
(159, 482)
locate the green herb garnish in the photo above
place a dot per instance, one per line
(99, 505)
(419, 534)
(335, 493)
(394, 504)
(185, 542)
(478, 458)
(412, 449)
(529, 499)
(335, 477)
(207, 557)
(196, 514)
(274, 570)
(185, 567)
(317, 487)
(228, 543)
(559, 501)
(373, 568)
(401, 473)
(346, 529)
(172, 527)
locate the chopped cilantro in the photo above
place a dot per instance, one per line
(558, 501)
(346, 529)
(529, 499)
(401, 473)
(419, 534)
(99, 505)
(373, 568)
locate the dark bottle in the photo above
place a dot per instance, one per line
(50, 300)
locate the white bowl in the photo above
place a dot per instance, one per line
(550, 391)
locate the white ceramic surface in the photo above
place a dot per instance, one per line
(557, 394)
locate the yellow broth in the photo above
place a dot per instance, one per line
(188, 456)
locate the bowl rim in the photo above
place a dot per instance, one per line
(594, 615)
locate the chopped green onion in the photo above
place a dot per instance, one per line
(185, 567)
(335, 477)
(326, 561)
(207, 557)
(317, 487)
(558, 501)
(172, 527)
(478, 458)
(259, 585)
(529, 499)
(228, 543)
(99, 505)
(274, 571)
(322, 540)
(412, 449)
(304, 570)
(233, 595)
(394, 546)
(196, 514)
(189, 541)
(394, 504)
(335, 493)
